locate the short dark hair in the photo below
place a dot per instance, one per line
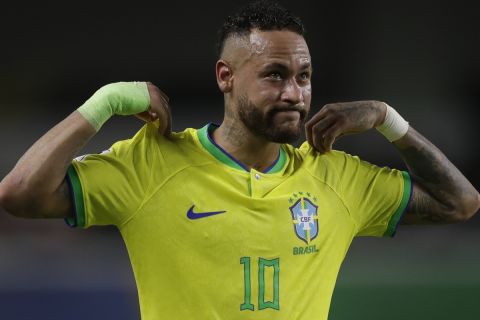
(264, 15)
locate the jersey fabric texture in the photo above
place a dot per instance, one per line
(209, 239)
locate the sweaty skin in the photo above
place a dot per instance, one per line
(273, 70)
(266, 71)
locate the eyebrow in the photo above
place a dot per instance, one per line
(275, 65)
(283, 67)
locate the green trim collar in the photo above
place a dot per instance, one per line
(204, 135)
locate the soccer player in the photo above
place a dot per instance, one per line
(231, 221)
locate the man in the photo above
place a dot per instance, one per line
(231, 221)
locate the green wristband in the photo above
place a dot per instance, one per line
(122, 98)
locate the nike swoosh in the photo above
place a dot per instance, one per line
(197, 215)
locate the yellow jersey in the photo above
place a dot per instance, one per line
(209, 239)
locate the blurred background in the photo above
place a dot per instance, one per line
(420, 57)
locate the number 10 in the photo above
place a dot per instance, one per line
(262, 264)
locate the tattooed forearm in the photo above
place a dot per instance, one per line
(441, 193)
(425, 209)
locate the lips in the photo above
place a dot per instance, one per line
(286, 116)
(289, 111)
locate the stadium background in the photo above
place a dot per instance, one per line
(421, 57)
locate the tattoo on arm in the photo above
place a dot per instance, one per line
(441, 193)
(423, 209)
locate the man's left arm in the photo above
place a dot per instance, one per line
(441, 193)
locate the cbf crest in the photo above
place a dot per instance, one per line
(304, 216)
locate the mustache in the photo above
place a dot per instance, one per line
(299, 109)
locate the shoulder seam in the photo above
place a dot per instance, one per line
(150, 180)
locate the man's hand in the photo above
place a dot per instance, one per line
(441, 193)
(159, 109)
(339, 119)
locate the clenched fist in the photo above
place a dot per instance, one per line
(159, 109)
(338, 119)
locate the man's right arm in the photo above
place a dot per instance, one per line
(36, 187)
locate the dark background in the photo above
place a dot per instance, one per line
(420, 57)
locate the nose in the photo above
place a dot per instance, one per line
(292, 93)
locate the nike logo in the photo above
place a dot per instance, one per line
(197, 215)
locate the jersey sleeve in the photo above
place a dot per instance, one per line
(376, 197)
(108, 188)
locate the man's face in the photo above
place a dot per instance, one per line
(271, 88)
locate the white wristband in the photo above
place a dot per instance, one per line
(394, 127)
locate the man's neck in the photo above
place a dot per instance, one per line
(253, 152)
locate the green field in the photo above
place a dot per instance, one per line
(422, 273)
(406, 302)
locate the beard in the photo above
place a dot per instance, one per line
(263, 124)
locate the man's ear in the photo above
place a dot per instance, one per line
(224, 76)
